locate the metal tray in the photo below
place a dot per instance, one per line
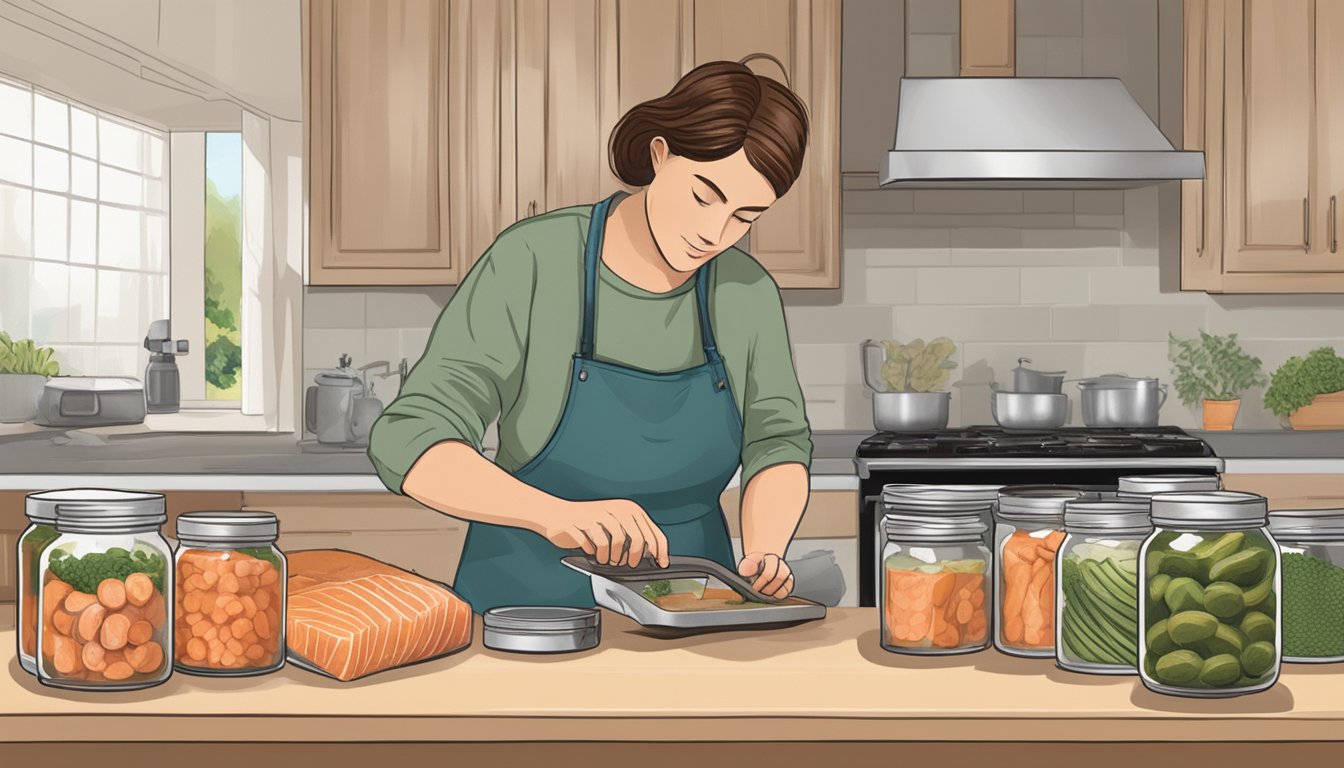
(616, 588)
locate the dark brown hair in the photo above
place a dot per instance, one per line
(712, 112)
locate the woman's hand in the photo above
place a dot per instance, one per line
(611, 531)
(773, 577)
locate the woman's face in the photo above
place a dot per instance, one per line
(697, 209)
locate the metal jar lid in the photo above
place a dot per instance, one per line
(1144, 486)
(903, 527)
(207, 528)
(540, 618)
(939, 499)
(102, 510)
(1109, 515)
(1037, 502)
(1307, 524)
(1210, 509)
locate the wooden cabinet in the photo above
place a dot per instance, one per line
(1264, 100)
(988, 38)
(406, 137)
(1291, 491)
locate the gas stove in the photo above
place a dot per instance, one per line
(1079, 442)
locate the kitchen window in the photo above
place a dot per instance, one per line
(83, 230)
(223, 288)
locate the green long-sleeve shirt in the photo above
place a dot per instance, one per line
(502, 348)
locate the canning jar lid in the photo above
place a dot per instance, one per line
(1307, 524)
(1144, 486)
(211, 527)
(102, 510)
(1216, 509)
(1110, 515)
(939, 499)
(900, 527)
(1037, 502)
(540, 619)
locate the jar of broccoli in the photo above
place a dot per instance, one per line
(40, 509)
(1312, 545)
(1097, 593)
(1210, 612)
(105, 595)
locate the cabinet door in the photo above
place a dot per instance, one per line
(988, 38)
(798, 239)
(1202, 199)
(1329, 44)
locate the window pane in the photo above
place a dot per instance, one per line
(83, 233)
(223, 265)
(118, 240)
(153, 193)
(156, 231)
(119, 361)
(16, 111)
(154, 160)
(16, 221)
(120, 187)
(49, 227)
(155, 298)
(76, 360)
(51, 121)
(120, 145)
(14, 289)
(16, 160)
(51, 169)
(83, 132)
(119, 307)
(83, 177)
(83, 288)
(49, 310)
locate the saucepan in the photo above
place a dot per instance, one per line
(1116, 400)
(1028, 410)
(1028, 380)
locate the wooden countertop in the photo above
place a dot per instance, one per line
(827, 681)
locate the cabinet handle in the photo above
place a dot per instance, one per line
(1306, 226)
(1334, 225)
(532, 209)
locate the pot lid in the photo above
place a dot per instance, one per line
(1021, 367)
(1115, 515)
(1115, 381)
(543, 619)
(336, 378)
(1296, 524)
(1144, 486)
(1209, 508)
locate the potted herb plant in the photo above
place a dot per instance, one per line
(24, 368)
(1213, 371)
(1309, 390)
(907, 388)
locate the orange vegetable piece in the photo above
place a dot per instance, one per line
(66, 656)
(115, 632)
(112, 594)
(139, 589)
(145, 658)
(118, 671)
(78, 601)
(90, 620)
(942, 587)
(62, 621)
(140, 633)
(93, 655)
(197, 649)
(54, 593)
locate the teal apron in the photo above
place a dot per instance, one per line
(668, 441)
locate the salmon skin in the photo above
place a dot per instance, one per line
(350, 615)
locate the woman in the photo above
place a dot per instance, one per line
(634, 359)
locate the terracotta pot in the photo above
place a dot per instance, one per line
(1220, 415)
(1324, 412)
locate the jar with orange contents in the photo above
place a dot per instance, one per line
(230, 606)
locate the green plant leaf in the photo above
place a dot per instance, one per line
(1300, 379)
(1211, 368)
(26, 358)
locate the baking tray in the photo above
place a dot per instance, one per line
(616, 588)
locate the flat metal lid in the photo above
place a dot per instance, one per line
(1213, 508)
(1117, 515)
(224, 527)
(103, 508)
(939, 499)
(1144, 486)
(1314, 524)
(944, 528)
(1037, 502)
(336, 379)
(1117, 382)
(541, 618)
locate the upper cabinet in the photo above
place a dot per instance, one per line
(1264, 100)
(434, 125)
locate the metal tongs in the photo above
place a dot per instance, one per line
(693, 572)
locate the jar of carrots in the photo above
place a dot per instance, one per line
(40, 509)
(106, 583)
(934, 571)
(1028, 530)
(230, 605)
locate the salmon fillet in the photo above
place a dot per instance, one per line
(351, 615)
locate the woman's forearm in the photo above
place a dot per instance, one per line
(772, 504)
(453, 478)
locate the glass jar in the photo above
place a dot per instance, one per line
(934, 569)
(230, 605)
(1311, 542)
(1144, 486)
(106, 587)
(40, 509)
(1097, 592)
(1210, 611)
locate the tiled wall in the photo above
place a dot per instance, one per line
(1083, 281)
(369, 324)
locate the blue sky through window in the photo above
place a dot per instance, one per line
(224, 162)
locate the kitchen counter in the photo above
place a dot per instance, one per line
(824, 681)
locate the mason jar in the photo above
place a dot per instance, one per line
(40, 509)
(935, 569)
(107, 584)
(1145, 486)
(1210, 613)
(1097, 586)
(1311, 543)
(1028, 529)
(230, 594)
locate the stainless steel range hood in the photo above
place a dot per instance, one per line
(1028, 133)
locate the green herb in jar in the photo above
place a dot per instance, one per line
(1313, 607)
(87, 572)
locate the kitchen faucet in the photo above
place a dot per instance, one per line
(400, 373)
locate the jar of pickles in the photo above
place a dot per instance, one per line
(1311, 542)
(230, 605)
(1097, 593)
(1210, 612)
(106, 587)
(1028, 529)
(934, 569)
(40, 509)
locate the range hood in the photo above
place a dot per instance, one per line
(1028, 133)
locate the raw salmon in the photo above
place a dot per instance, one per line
(351, 615)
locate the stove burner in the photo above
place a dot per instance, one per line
(996, 441)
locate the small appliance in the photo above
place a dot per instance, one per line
(163, 383)
(90, 401)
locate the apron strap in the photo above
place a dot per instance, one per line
(592, 253)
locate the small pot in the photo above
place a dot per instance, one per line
(1324, 412)
(19, 396)
(1028, 380)
(1220, 415)
(1029, 410)
(1121, 401)
(910, 411)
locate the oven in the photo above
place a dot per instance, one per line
(1077, 457)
